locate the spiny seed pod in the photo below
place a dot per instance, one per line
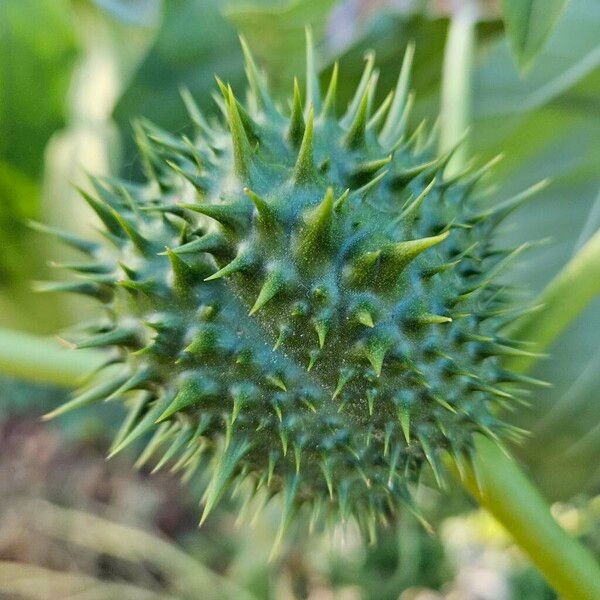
(301, 302)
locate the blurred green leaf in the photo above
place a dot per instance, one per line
(388, 34)
(19, 194)
(556, 137)
(546, 124)
(110, 51)
(573, 288)
(572, 53)
(456, 92)
(560, 141)
(38, 50)
(275, 30)
(62, 65)
(194, 43)
(528, 25)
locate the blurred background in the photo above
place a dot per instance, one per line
(74, 74)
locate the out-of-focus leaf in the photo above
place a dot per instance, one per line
(592, 223)
(275, 30)
(37, 52)
(38, 49)
(574, 287)
(388, 34)
(18, 194)
(562, 454)
(528, 25)
(547, 126)
(63, 64)
(561, 143)
(569, 409)
(572, 53)
(194, 43)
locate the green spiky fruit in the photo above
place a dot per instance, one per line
(301, 301)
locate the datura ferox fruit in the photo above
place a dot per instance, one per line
(301, 303)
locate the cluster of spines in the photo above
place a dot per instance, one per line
(134, 220)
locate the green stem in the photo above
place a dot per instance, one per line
(502, 488)
(35, 358)
(455, 105)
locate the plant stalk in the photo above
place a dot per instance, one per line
(503, 490)
(455, 101)
(34, 358)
